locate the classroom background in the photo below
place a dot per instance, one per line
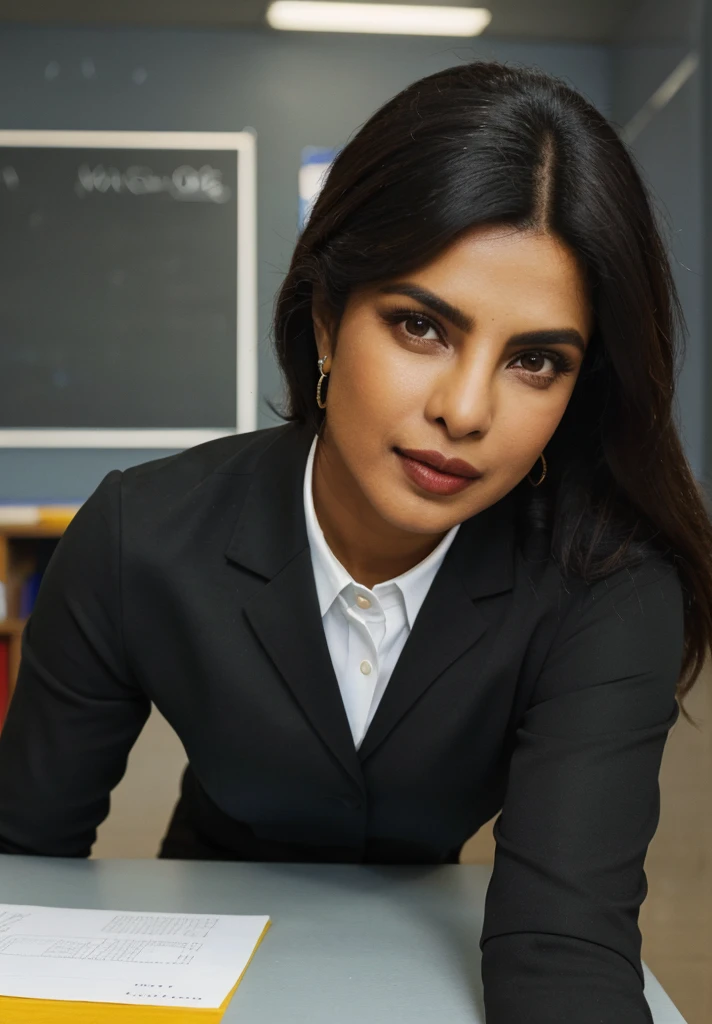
(293, 98)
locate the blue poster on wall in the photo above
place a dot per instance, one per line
(316, 161)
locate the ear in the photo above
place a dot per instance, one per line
(322, 322)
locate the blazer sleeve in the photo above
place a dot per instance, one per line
(560, 942)
(76, 711)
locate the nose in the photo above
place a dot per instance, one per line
(462, 398)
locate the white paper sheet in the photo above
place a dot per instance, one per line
(114, 956)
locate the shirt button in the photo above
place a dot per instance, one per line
(365, 667)
(352, 802)
(363, 602)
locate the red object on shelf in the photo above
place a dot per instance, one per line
(4, 678)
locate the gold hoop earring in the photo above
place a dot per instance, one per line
(322, 378)
(543, 474)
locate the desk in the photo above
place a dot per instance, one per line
(347, 943)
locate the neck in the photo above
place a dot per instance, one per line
(370, 549)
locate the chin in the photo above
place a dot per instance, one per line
(413, 520)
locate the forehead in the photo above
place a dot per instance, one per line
(501, 250)
(492, 268)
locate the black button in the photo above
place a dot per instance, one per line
(352, 802)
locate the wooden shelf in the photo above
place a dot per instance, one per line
(24, 547)
(11, 627)
(20, 531)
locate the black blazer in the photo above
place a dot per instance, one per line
(187, 581)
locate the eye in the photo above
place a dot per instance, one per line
(413, 326)
(532, 364)
(420, 327)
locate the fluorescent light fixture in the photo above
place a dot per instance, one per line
(396, 19)
(662, 96)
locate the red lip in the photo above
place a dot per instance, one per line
(456, 467)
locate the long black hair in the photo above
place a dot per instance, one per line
(490, 143)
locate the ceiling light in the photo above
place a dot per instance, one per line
(401, 19)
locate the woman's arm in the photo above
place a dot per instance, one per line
(76, 712)
(560, 942)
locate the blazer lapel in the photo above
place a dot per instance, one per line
(270, 539)
(478, 564)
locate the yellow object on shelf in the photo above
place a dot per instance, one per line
(57, 513)
(37, 515)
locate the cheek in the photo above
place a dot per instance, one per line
(525, 427)
(371, 382)
(355, 393)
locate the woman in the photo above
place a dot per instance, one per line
(470, 574)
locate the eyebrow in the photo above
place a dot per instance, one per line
(550, 336)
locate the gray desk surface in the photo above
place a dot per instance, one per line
(347, 943)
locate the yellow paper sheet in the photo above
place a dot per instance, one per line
(63, 1011)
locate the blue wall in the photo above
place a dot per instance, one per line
(653, 40)
(294, 89)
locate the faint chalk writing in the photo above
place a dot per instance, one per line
(9, 178)
(202, 184)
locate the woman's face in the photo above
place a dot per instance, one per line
(438, 361)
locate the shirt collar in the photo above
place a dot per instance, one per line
(331, 577)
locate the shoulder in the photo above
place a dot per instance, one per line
(621, 636)
(179, 494)
(641, 599)
(235, 455)
(651, 586)
(646, 578)
(199, 475)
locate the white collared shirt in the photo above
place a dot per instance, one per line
(365, 629)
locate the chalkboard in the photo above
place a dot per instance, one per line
(127, 288)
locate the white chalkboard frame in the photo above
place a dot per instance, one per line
(244, 144)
